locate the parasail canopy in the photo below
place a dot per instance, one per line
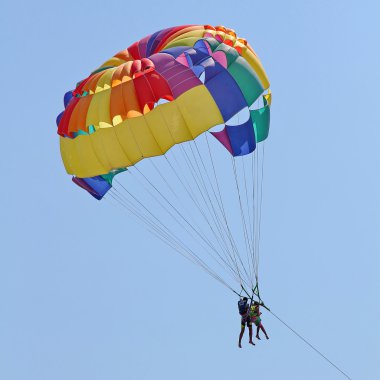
(155, 103)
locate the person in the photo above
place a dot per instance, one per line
(244, 311)
(255, 318)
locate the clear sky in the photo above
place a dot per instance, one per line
(76, 275)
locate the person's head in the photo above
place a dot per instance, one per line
(245, 299)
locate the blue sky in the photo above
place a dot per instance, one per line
(86, 293)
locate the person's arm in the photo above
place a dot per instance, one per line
(265, 307)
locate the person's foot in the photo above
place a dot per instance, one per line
(239, 345)
(253, 344)
(258, 337)
(266, 336)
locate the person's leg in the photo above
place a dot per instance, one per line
(262, 328)
(241, 334)
(250, 334)
(258, 323)
(257, 332)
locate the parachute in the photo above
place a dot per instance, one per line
(183, 114)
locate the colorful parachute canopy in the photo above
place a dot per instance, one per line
(167, 92)
(163, 90)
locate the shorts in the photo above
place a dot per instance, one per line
(246, 320)
(256, 321)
